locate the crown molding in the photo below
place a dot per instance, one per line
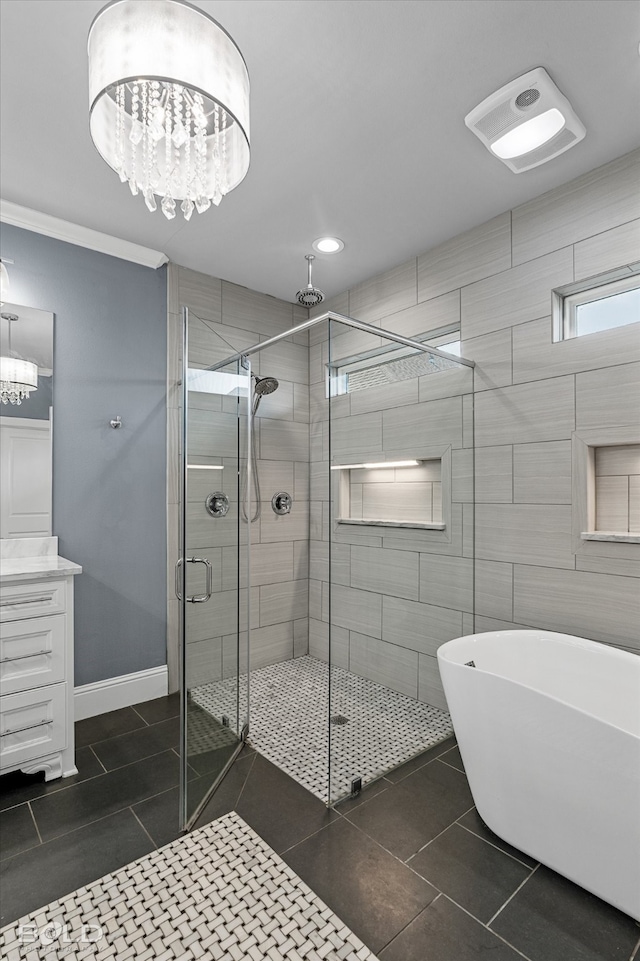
(40, 223)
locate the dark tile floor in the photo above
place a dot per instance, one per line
(408, 864)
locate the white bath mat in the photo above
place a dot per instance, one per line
(218, 894)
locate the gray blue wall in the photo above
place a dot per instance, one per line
(109, 486)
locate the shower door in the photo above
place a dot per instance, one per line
(212, 571)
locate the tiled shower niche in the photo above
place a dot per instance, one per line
(617, 488)
(400, 496)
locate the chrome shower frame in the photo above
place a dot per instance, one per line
(348, 322)
(244, 359)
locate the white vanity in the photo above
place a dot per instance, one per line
(36, 657)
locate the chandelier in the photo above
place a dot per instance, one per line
(169, 93)
(17, 377)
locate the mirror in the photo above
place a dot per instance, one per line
(25, 427)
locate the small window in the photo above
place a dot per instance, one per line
(611, 301)
(393, 363)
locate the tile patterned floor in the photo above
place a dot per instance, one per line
(220, 893)
(408, 865)
(383, 728)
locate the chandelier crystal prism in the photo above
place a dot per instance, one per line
(169, 94)
(17, 377)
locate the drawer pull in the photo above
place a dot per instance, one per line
(29, 727)
(43, 599)
(21, 657)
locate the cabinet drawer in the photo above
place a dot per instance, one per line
(32, 653)
(32, 599)
(32, 724)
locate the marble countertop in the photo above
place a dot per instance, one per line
(35, 568)
(33, 558)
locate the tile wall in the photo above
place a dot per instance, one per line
(412, 494)
(617, 483)
(397, 592)
(398, 595)
(225, 318)
(397, 601)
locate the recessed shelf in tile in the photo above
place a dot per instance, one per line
(402, 496)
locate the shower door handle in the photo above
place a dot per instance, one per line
(178, 578)
(201, 598)
(195, 598)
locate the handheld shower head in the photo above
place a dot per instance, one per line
(262, 386)
(265, 385)
(309, 296)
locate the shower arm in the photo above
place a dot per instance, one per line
(348, 322)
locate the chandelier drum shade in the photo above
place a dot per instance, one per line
(169, 95)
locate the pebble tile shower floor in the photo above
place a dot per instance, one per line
(290, 707)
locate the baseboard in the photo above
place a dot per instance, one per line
(116, 692)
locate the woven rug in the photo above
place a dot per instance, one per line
(219, 893)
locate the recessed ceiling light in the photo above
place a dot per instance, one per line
(328, 245)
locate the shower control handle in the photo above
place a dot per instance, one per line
(195, 598)
(281, 502)
(217, 504)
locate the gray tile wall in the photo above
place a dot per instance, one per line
(403, 494)
(394, 594)
(530, 397)
(398, 594)
(225, 318)
(617, 484)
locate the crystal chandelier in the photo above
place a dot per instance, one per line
(17, 377)
(169, 93)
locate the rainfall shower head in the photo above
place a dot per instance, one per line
(265, 385)
(309, 296)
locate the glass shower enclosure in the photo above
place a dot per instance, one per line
(311, 612)
(212, 573)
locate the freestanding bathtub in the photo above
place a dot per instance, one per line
(548, 727)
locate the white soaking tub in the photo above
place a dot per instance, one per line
(548, 727)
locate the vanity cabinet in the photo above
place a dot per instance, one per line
(36, 665)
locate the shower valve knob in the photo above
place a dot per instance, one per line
(217, 504)
(281, 502)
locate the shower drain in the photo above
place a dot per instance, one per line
(339, 719)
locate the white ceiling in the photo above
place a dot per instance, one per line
(357, 115)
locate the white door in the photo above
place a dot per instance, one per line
(25, 476)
